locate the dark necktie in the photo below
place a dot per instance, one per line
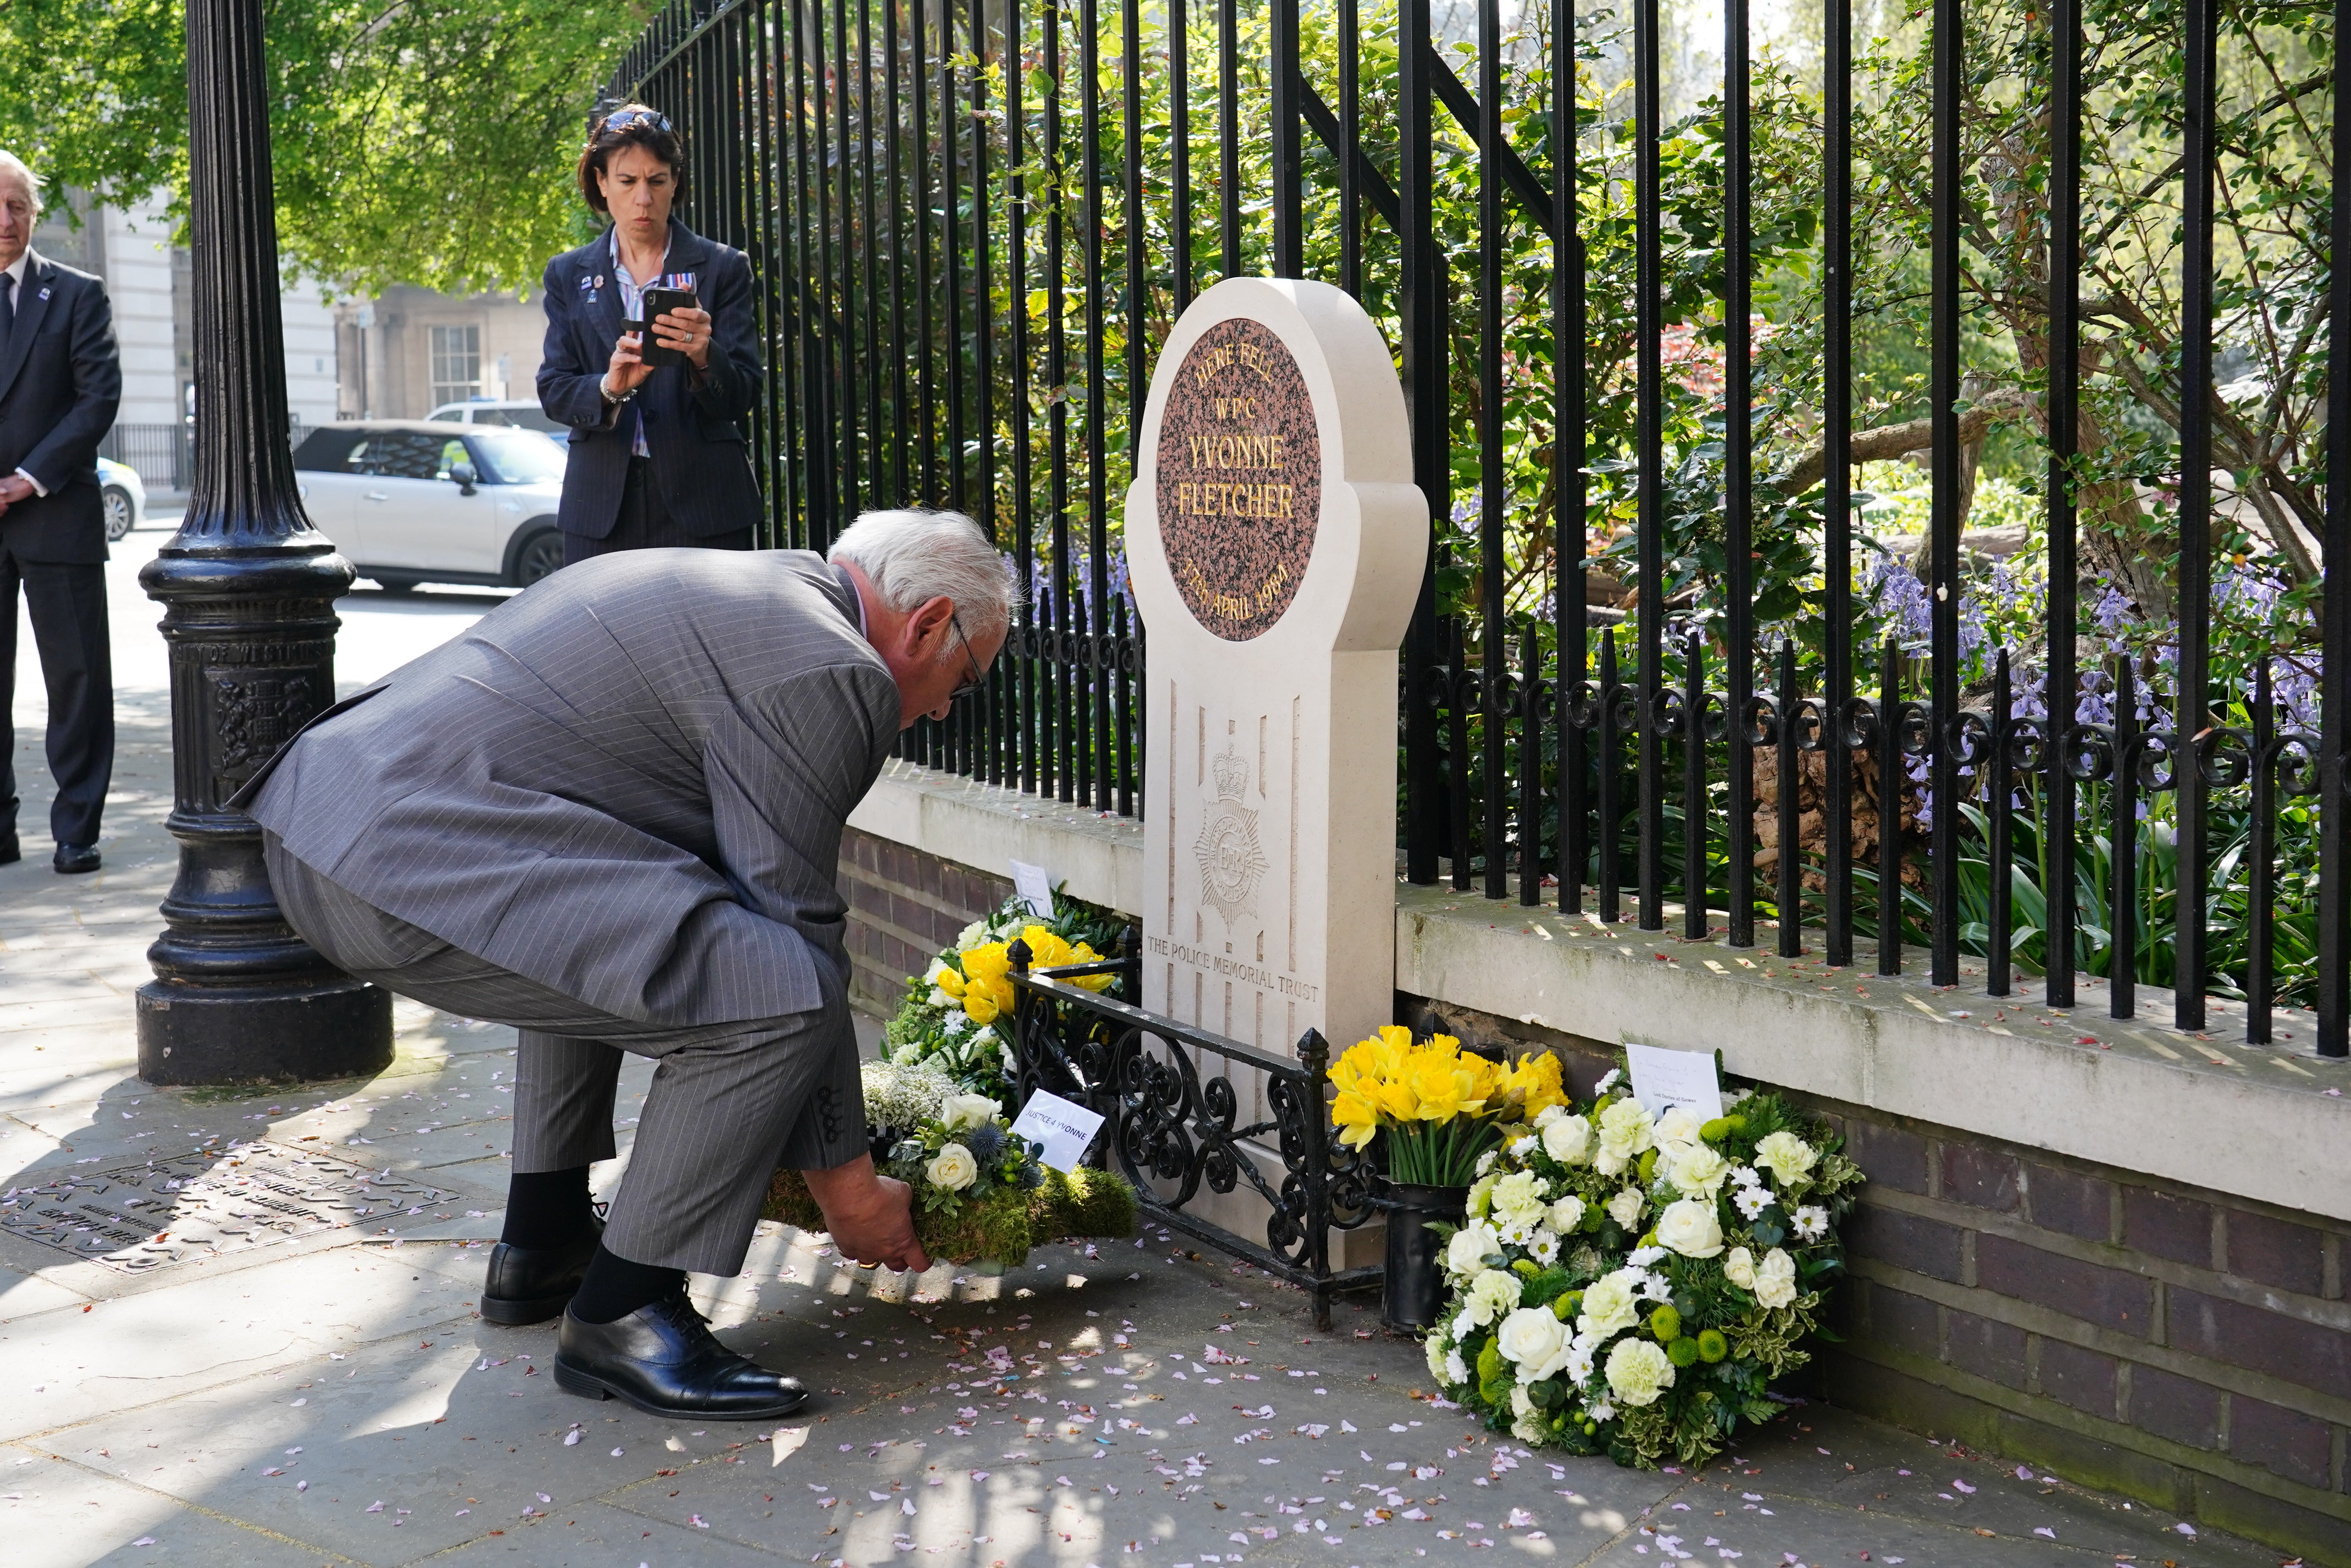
(7, 306)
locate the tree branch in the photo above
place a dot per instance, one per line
(1894, 440)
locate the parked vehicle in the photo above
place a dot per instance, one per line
(123, 497)
(413, 501)
(521, 413)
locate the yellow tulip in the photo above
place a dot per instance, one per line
(980, 1007)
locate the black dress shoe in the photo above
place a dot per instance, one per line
(74, 859)
(532, 1284)
(664, 1359)
(10, 850)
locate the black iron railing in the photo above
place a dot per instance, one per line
(1188, 1113)
(1666, 647)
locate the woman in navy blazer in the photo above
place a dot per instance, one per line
(657, 455)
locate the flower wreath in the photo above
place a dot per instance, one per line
(1631, 1286)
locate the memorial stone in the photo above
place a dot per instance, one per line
(1277, 544)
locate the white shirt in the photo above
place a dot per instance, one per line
(631, 293)
(15, 275)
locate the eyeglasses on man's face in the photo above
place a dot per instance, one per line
(972, 687)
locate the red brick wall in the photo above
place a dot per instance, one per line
(904, 906)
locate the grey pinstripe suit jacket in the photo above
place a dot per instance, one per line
(628, 784)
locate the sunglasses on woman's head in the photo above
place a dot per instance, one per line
(622, 119)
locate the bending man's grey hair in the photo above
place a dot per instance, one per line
(913, 557)
(12, 164)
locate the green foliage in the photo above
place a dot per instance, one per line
(426, 141)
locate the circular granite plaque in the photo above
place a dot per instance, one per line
(1239, 479)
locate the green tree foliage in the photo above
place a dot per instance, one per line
(420, 142)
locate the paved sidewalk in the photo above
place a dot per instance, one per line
(308, 1382)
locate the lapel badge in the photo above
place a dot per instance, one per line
(44, 294)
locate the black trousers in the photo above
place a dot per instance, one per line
(68, 606)
(644, 524)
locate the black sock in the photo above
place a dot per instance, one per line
(547, 1208)
(616, 1287)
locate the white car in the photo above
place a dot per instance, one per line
(414, 501)
(521, 412)
(123, 496)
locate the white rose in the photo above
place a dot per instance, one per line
(1788, 1158)
(1625, 1130)
(1691, 1228)
(1471, 1247)
(1567, 1215)
(962, 1111)
(1609, 1306)
(1491, 1294)
(1527, 1423)
(1549, 1115)
(1698, 1171)
(1775, 1279)
(1609, 1161)
(1567, 1139)
(1638, 1372)
(1739, 1268)
(1626, 1208)
(1677, 1129)
(1536, 1340)
(953, 1168)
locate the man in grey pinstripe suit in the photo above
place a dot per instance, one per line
(609, 815)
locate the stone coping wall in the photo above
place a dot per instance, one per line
(2109, 1249)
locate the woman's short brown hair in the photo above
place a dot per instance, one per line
(640, 125)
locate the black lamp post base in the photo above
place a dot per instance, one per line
(263, 1034)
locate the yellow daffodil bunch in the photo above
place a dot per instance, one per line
(1437, 1105)
(1046, 950)
(984, 984)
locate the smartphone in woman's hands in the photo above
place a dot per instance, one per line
(652, 305)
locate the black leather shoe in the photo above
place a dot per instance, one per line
(532, 1284)
(664, 1359)
(10, 850)
(74, 859)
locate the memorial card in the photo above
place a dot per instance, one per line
(1663, 1079)
(1064, 1128)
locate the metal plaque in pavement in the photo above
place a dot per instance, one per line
(148, 1215)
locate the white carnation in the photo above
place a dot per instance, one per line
(1609, 1306)
(1789, 1158)
(1638, 1372)
(1491, 1294)
(1697, 1170)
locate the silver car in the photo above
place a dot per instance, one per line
(123, 497)
(411, 501)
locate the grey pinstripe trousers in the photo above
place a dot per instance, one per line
(730, 1102)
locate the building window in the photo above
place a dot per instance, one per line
(456, 364)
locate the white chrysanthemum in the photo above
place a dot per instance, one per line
(1579, 1359)
(1456, 1372)
(1436, 1350)
(1811, 1221)
(1744, 1175)
(972, 936)
(1543, 1249)
(1751, 1201)
(956, 1022)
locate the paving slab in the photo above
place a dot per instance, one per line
(56, 1514)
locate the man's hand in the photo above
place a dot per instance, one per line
(871, 1216)
(15, 488)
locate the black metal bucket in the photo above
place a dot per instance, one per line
(1414, 1290)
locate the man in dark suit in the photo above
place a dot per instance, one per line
(657, 454)
(609, 815)
(59, 382)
